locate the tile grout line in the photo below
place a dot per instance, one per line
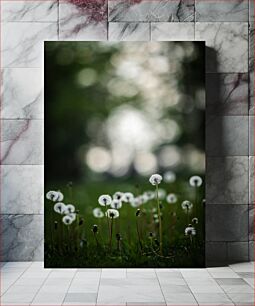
(69, 286)
(188, 287)
(40, 288)
(155, 271)
(98, 288)
(15, 280)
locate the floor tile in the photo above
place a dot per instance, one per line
(242, 299)
(180, 299)
(213, 299)
(81, 297)
(222, 272)
(237, 288)
(230, 281)
(243, 267)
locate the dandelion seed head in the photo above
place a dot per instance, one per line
(55, 196)
(195, 220)
(67, 220)
(128, 197)
(186, 205)
(112, 213)
(136, 202)
(72, 216)
(190, 231)
(97, 213)
(118, 196)
(195, 181)
(105, 200)
(171, 198)
(155, 179)
(60, 208)
(169, 177)
(70, 209)
(116, 204)
(150, 194)
(94, 228)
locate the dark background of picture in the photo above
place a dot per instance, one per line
(115, 114)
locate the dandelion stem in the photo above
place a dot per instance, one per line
(187, 215)
(160, 223)
(138, 234)
(110, 243)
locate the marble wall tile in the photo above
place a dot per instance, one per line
(251, 222)
(22, 93)
(227, 43)
(227, 94)
(227, 180)
(22, 43)
(251, 180)
(23, 10)
(22, 189)
(21, 142)
(227, 135)
(172, 31)
(237, 252)
(22, 237)
(74, 24)
(251, 135)
(226, 223)
(129, 31)
(234, 10)
(151, 10)
(215, 252)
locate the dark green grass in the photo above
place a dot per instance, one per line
(78, 246)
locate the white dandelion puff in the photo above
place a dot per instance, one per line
(128, 197)
(67, 220)
(55, 196)
(118, 196)
(136, 202)
(112, 213)
(70, 209)
(105, 200)
(116, 204)
(97, 213)
(190, 231)
(60, 208)
(169, 177)
(72, 216)
(186, 205)
(155, 179)
(195, 220)
(195, 181)
(150, 194)
(171, 198)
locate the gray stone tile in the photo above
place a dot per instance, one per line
(213, 299)
(227, 42)
(22, 142)
(246, 274)
(251, 135)
(251, 10)
(227, 180)
(181, 31)
(81, 297)
(251, 222)
(78, 23)
(22, 93)
(226, 223)
(230, 281)
(227, 135)
(154, 10)
(22, 10)
(237, 252)
(215, 253)
(251, 180)
(227, 94)
(129, 31)
(242, 299)
(22, 237)
(234, 10)
(22, 189)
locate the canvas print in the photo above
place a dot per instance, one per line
(124, 154)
